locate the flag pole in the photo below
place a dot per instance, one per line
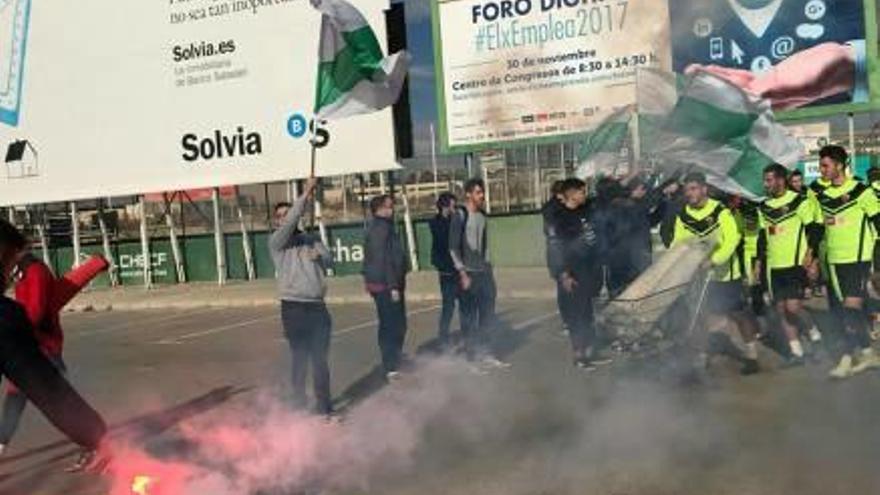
(312, 173)
(851, 120)
(635, 136)
(317, 216)
(314, 155)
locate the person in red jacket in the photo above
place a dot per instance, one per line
(30, 350)
(34, 284)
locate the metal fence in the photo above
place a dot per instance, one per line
(235, 220)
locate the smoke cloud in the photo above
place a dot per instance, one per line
(447, 430)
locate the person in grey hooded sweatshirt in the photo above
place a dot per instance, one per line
(301, 261)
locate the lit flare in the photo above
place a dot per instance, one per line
(143, 485)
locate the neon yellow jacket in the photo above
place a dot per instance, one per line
(713, 221)
(747, 224)
(784, 222)
(848, 211)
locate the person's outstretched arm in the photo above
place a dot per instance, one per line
(279, 239)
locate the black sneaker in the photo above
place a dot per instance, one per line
(795, 362)
(750, 367)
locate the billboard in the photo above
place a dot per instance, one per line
(14, 21)
(119, 97)
(514, 70)
(809, 57)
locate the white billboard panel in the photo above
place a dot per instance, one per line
(117, 97)
(514, 70)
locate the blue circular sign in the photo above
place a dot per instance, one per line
(297, 126)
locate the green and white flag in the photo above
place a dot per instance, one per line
(704, 122)
(600, 152)
(354, 77)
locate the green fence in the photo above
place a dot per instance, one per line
(514, 241)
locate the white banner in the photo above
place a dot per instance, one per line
(116, 97)
(530, 69)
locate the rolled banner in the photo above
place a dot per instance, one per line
(69, 285)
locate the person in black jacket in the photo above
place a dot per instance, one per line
(575, 261)
(385, 278)
(549, 212)
(442, 261)
(671, 205)
(610, 223)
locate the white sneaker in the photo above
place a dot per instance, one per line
(392, 376)
(814, 335)
(475, 370)
(844, 368)
(333, 419)
(2, 448)
(868, 360)
(90, 461)
(493, 362)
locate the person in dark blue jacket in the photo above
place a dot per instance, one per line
(442, 261)
(613, 219)
(384, 269)
(575, 261)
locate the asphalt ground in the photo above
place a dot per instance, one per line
(540, 427)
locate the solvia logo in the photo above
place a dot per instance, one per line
(219, 145)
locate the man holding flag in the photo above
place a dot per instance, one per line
(353, 78)
(301, 262)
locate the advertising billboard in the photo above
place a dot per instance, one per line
(808, 57)
(120, 97)
(529, 70)
(514, 70)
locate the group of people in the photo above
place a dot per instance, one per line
(782, 249)
(785, 247)
(798, 242)
(599, 242)
(460, 253)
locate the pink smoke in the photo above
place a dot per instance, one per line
(240, 451)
